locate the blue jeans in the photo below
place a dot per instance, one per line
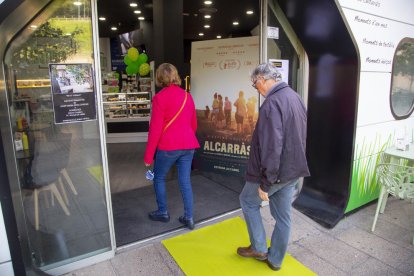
(163, 162)
(280, 202)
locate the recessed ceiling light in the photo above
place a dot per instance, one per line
(200, 34)
(207, 16)
(206, 26)
(249, 12)
(219, 36)
(235, 23)
(141, 18)
(114, 28)
(137, 11)
(133, 4)
(77, 3)
(33, 26)
(208, 2)
(102, 18)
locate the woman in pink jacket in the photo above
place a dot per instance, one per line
(171, 140)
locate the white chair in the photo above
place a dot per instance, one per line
(396, 180)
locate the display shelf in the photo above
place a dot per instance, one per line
(33, 83)
(127, 112)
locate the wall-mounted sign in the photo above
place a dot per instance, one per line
(73, 92)
(273, 32)
(283, 67)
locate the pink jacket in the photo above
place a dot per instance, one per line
(180, 134)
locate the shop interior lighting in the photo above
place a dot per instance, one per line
(208, 2)
(133, 5)
(219, 36)
(102, 18)
(33, 26)
(207, 16)
(137, 11)
(114, 28)
(249, 12)
(235, 23)
(141, 18)
(68, 34)
(206, 26)
(77, 3)
(200, 34)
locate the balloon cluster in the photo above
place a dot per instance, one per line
(136, 62)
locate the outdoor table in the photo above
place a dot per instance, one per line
(397, 154)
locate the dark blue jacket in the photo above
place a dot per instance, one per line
(277, 153)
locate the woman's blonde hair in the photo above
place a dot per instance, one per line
(166, 75)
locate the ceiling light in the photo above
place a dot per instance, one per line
(133, 4)
(77, 3)
(33, 26)
(235, 23)
(200, 34)
(206, 26)
(68, 34)
(207, 16)
(249, 12)
(208, 2)
(219, 36)
(141, 18)
(137, 11)
(114, 28)
(102, 18)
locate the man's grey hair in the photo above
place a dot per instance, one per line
(267, 71)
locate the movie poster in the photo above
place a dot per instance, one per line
(226, 102)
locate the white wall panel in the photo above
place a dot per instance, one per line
(401, 10)
(374, 98)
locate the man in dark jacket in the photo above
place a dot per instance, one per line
(277, 161)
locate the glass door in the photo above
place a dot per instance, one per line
(53, 99)
(280, 45)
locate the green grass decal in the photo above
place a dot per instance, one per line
(364, 187)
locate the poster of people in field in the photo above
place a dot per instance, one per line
(226, 102)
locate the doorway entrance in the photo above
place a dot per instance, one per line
(215, 192)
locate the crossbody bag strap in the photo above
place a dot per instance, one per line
(176, 115)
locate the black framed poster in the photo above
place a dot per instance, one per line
(73, 92)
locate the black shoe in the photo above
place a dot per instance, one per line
(157, 216)
(187, 222)
(272, 266)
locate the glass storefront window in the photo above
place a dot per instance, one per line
(52, 108)
(402, 85)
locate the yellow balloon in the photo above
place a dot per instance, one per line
(133, 53)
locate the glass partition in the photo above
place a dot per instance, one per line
(53, 117)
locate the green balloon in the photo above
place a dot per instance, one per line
(134, 67)
(129, 70)
(144, 69)
(127, 60)
(133, 53)
(143, 58)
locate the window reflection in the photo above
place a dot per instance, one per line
(59, 165)
(402, 88)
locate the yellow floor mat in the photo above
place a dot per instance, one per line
(211, 250)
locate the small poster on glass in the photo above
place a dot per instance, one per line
(73, 92)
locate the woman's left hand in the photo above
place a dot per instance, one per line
(147, 165)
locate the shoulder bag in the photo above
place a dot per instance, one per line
(176, 115)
